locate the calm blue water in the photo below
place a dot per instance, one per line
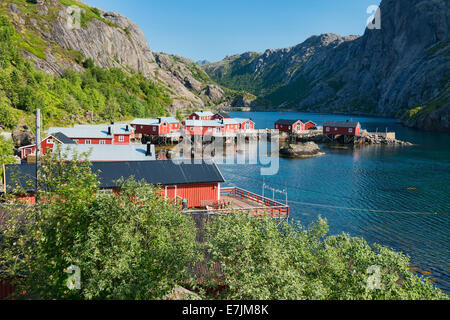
(410, 183)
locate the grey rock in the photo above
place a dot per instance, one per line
(301, 150)
(23, 137)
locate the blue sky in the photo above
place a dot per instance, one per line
(212, 29)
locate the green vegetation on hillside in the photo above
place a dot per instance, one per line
(110, 94)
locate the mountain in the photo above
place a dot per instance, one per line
(202, 62)
(106, 53)
(400, 70)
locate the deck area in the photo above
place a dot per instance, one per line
(235, 199)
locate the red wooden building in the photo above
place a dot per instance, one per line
(204, 127)
(202, 115)
(47, 144)
(120, 134)
(221, 115)
(345, 128)
(293, 126)
(156, 127)
(198, 183)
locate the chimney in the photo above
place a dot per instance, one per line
(159, 120)
(109, 131)
(149, 150)
(127, 128)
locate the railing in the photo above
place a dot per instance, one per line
(265, 206)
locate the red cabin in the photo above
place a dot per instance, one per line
(47, 144)
(156, 127)
(198, 183)
(204, 127)
(289, 126)
(221, 115)
(245, 124)
(308, 124)
(345, 128)
(98, 134)
(203, 115)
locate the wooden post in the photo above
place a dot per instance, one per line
(38, 150)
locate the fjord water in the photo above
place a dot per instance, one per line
(394, 196)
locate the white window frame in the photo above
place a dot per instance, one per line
(102, 141)
(50, 141)
(350, 130)
(154, 129)
(328, 129)
(121, 139)
(87, 141)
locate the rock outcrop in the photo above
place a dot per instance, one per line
(301, 150)
(112, 41)
(387, 71)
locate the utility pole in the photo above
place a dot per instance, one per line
(38, 148)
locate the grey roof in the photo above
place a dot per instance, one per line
(144, 122)
(286, 121)
(105, 152)
(306, 121)
(203, 123)
(204, 113)
(170, 119)
(241, 120)
(99, 131)
(164, 172)
(342, 124)
(63, 138)
(229, 121)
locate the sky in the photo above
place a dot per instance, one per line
(213, 29)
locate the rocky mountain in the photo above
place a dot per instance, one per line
(400, 70)
(55, 42)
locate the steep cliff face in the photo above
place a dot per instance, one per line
(108, 38)
(389, 71)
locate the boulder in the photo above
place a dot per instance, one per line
(23, 137)
(301, 150)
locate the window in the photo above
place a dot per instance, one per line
(87, 141)
(121, 138)
(50, 141)
(276, 126)
(335, 129)
(142, 127)
(247, 125)
(290, 127)
(218, 130)
(75, 140)
(165, 124)
(350, 130)
(192, 129)
(102, 142)
(328, 129)
(154, 129)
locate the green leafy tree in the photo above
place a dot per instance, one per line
(127, 245)
(260, 259)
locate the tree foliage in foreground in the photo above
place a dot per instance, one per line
(136, 245)
(260, 259)
(130, 245)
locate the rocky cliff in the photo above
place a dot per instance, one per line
(111, 40)
(400, 70)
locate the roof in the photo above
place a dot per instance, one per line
(229, 121)
(342, 124)
(20, 175)
(164, 172)
(63, 138)
(204, 113)
(306, 121)
(145, 122)
(169, 119)
(224, 114)
(241, 120)
(99, 152)
(59, 136)
(203, 123)
(99, 131)
(286, 121)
